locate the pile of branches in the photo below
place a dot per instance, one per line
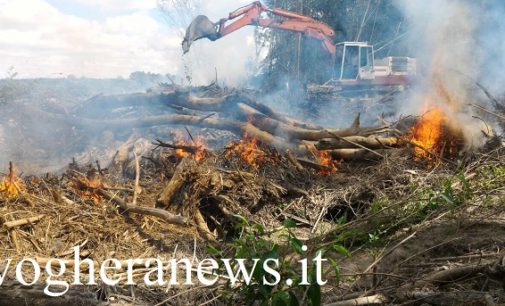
(240, 113)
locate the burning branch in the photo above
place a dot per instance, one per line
(11, 186)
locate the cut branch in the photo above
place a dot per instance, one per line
(21, 222)
(160, 213)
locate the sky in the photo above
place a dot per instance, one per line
(111, 38)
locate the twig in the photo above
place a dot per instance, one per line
(473, 256)
(488, 111)
(293, 160)
(318, 219)
(313, 165)
(381, 257)
(190, 136)
(427, 250)
(431, 153)
(206, 117)
(21, 222)
(119, 189)
(136, 188)
(189, 149)
(377, 299)
(179, 294)
(160, 213)
(211, 300)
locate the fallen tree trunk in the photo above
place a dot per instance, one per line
(236, 127)
(246, 99)
(361, 154)
(353, 142)
(186, 100)
(296, 133)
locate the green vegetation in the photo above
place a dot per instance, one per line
(426, 201)
(255, 242)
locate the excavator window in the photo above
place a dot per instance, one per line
(366, 60)
(351, 63)
(339, 54)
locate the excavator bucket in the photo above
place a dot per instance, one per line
(200, 27)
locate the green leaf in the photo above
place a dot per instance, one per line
(289, 223)
(212, 250)
(447, 198)
(281, 298)
(296, 244)
(341, 250)
(243, 221)
(314, 295)
(293, 299)
(342, 220)
(259, 228)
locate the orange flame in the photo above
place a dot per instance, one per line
(427, 132)
(196, 148)
(325, 159)
(88, 188)
(11, 186)
(189, 147)
(248, 151)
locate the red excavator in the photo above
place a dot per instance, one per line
(354, 62)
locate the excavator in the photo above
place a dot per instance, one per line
(354, 64)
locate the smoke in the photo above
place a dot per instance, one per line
(230, 60)
(491, 45)
(446, 37)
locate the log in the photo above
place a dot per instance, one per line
(144, 122)
(353, 142)
(247, 99)
(185, 99)
(360, 154)
(237, 127)
(175, 183)
(291, 132)
(269, 139)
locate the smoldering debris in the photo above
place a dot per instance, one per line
(168, 184)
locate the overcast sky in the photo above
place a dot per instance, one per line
(109, 38)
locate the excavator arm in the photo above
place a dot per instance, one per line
(251, 14)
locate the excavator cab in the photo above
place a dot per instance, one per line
(353, 61)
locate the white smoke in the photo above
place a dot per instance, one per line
(444, 37)
(230, 59)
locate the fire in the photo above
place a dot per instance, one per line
(435, 135)
(324, 158)
(11, 185)
(426, 133)
(87, 188)
(248, 151)
(194, 147)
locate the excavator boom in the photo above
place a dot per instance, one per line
(251, 14)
